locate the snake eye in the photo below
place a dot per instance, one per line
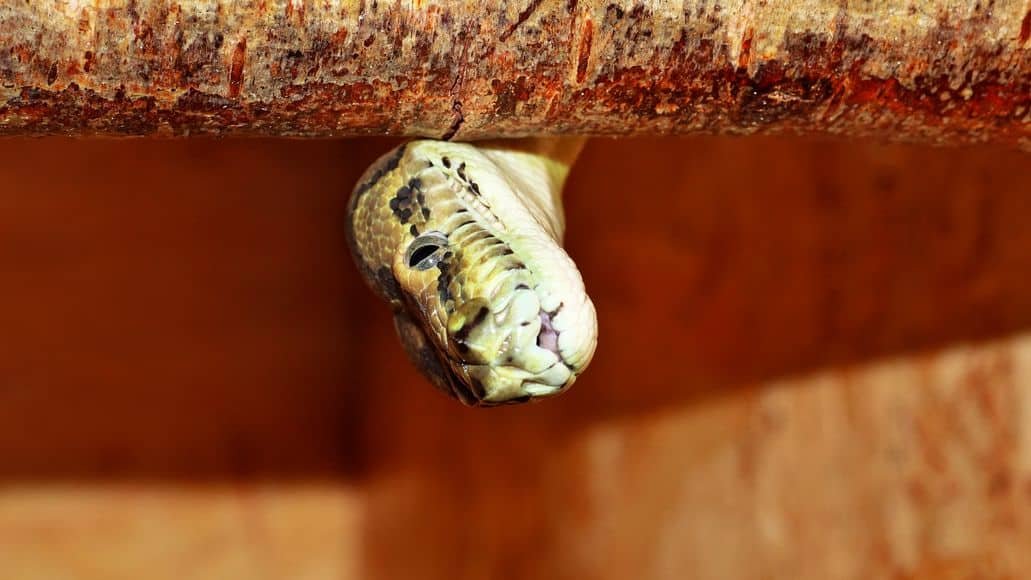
(426, 250)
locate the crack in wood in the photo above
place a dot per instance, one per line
(457, 124)
(534, 4)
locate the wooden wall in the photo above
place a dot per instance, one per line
(815, 363)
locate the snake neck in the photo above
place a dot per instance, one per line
(538, 168)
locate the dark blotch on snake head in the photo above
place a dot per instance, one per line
(426, 358)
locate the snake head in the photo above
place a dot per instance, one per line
(496, 337)
(487, 304)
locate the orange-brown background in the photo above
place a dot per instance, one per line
(814, 363)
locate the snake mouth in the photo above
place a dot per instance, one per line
(516, 373)
(547, 338)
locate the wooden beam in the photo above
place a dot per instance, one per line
(940, 71)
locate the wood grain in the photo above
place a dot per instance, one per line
(941, 71)
(815, 362)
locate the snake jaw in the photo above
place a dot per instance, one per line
(499, 351)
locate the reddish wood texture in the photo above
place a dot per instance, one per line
(944, 71)
(815, 363)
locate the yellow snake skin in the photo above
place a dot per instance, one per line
(464, 242)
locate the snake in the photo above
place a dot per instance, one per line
(464, 241)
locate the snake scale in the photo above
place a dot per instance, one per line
(464, 242)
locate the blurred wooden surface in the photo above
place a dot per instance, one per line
(815, 363)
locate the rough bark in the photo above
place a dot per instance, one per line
(931, 70)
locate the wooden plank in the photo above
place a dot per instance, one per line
(943, 71)
(814, 363)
